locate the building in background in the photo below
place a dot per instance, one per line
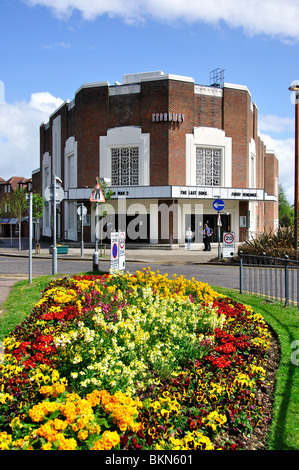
(169, 148)
(7, 223)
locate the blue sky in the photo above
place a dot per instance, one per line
(49, 48)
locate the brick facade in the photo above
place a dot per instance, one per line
(152, 103)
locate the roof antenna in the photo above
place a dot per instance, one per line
(217, 78)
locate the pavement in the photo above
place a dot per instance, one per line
(158, 254)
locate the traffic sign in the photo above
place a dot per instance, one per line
(122, 240)
(81, 211)
(229, 238)
(122, 250)
(97, 195)
(218, 205)
(114, 251)
(49, 193)
(117, 258)
(228, 245)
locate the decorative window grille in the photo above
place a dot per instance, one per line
(208, 166)
(125, 166)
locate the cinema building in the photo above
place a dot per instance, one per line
(168, 148)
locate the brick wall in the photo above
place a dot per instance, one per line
(124, 110)
(181, 100)
(154, 99)
(207, 111)
(236, 124)
(92, 119)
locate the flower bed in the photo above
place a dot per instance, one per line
(133, 362)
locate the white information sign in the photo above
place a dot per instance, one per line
(117, 257)
(228, 244)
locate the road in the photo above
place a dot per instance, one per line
(223, 276)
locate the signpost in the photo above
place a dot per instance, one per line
(114, 252)
(49, 193)
(117, 257)
(82, 211)
(228, 245)
(122, 251)
(96, 196)
(55, 197)
(218, 205)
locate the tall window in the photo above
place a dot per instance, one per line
(125, 166)
(70, 172)
(72, 216)
(208, 166)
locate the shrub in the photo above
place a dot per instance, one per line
(273, 243)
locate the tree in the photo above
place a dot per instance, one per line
(286, 211)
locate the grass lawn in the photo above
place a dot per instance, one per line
(284, 430)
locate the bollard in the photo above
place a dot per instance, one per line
(96, 261)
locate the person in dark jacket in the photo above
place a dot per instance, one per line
(207, 234)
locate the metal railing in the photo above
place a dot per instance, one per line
(276, 279)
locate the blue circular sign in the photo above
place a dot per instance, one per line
(218, 205)
(114, 250)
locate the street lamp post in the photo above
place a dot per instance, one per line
(54, 252)
(30, 233)
(96, 253)
(295, 87)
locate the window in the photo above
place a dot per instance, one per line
(125, 166)
(72, 216)
(70, 172)
(47, 215)
(252, 171)
(208, 166)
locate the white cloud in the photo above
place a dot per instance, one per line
(270, 17)
(19, 133)
(2, 92)
(272, 123)
(44, 102)
(284, 146)
(57, 45)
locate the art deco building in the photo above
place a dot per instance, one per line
(169, 148)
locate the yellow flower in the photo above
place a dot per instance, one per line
(107, 442)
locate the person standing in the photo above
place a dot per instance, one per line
(189, 237)
(207, 234)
